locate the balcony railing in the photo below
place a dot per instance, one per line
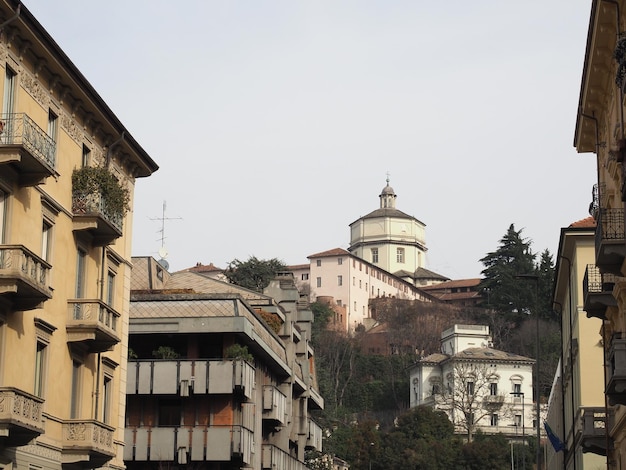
(314, 436)
(20, 416)
(274, 404)
(616, 372)
(91, 213)
(609, 240)
(593, 429)
(200, 377)
(273, 458)
(88, 443)
(598, 291)
(27, 147)
(93, 323)
(183, 444)
(23, 277)
(315, 399)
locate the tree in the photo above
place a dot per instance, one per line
(545, 275)
(254, 274)
(504, 292)
(487, 452)
(466, 395)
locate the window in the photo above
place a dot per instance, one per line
(319, 282)
(107, 390)
(517, 420)
(10, 78)
(354, 306)
(305, 277)
(339, 302)
(400, 255)
(517, 389)
(80, 273)
(169, 412)
(3, 204)
(40, 368)
(470, 388)
(76, 388)
(340, 280)
(374, 255)
(86, 155)
(52, 125)
(360, 283)
(339, 260)
(353, 281)
(494, 419)
(318, 262)
(110, 287)
(493, 389)
(46, 240)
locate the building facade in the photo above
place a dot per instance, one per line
(67, 175)
(480, 388)
(576, 409)
(600, 130)
(219, 377)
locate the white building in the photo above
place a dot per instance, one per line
(480, 388)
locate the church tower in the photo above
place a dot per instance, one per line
(389, 238)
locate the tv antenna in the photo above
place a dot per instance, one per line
(162, 250)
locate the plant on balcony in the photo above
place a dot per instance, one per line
(165, 352)
(99, 180)
(237, 351)
(619, 54)
(272, 320)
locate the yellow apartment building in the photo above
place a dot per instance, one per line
(600, 130)
(67, 175)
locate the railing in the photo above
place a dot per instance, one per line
(595, 282)
(94, 312)
(94, 203)
(20, 411)
(592, 424)
(314, 437)
(616, 371)
(19, 129)
(316, 397)
(493, 400)
(89, 436)
(274, 404)
(275, 459)
(20, 261)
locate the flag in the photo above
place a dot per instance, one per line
(554, 439)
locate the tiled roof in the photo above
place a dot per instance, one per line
(203, 268)
(484, 354)
(587, 222)
(207, 285)
(295, 267)
(423, 273)
(454, 284)
(333, 252)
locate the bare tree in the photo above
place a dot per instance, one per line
(469, 393)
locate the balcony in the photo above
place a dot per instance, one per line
(20, 416)
(88, 443)
(91, 214)
(616, 372)
(593, 430)
(598, 292)
(26, 147)
(92, 323)
(274, 405)
(610, 247)
(23, 277)
(314, 436)
(316, 401)
(493, 401)
(182, 377)
(273, 458)
(185, 444)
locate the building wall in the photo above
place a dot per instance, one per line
(60, 336)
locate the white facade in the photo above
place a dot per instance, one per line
(389, 238)
(501, 398)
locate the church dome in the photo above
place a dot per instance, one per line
(388, 191)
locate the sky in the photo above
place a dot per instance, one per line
(276, 122)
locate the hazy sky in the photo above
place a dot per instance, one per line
(274, 123)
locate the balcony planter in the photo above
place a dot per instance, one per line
(99, 180)
(619, 54)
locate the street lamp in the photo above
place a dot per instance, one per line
(535, 278)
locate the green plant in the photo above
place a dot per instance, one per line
(165, 352)
(132, 354)
(99, 180)
(237, 351)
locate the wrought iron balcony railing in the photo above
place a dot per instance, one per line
(92, 214)
(94, 323)
(23, 277)
(609, 240)
(598, 291)
(616, 371)
(24, 144)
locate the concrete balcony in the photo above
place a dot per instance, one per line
(314, 436)
(92, 323)
(609, 240)
(274, 405)
(91, 214)
(20, 416)
(593, 430)
(23, 278)
(87, 443)
(188, 444)
(316, 401)
(27, 148)
(493, 402)
(183, 377)
(598, 292)
(273, 458)
(616, 372)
